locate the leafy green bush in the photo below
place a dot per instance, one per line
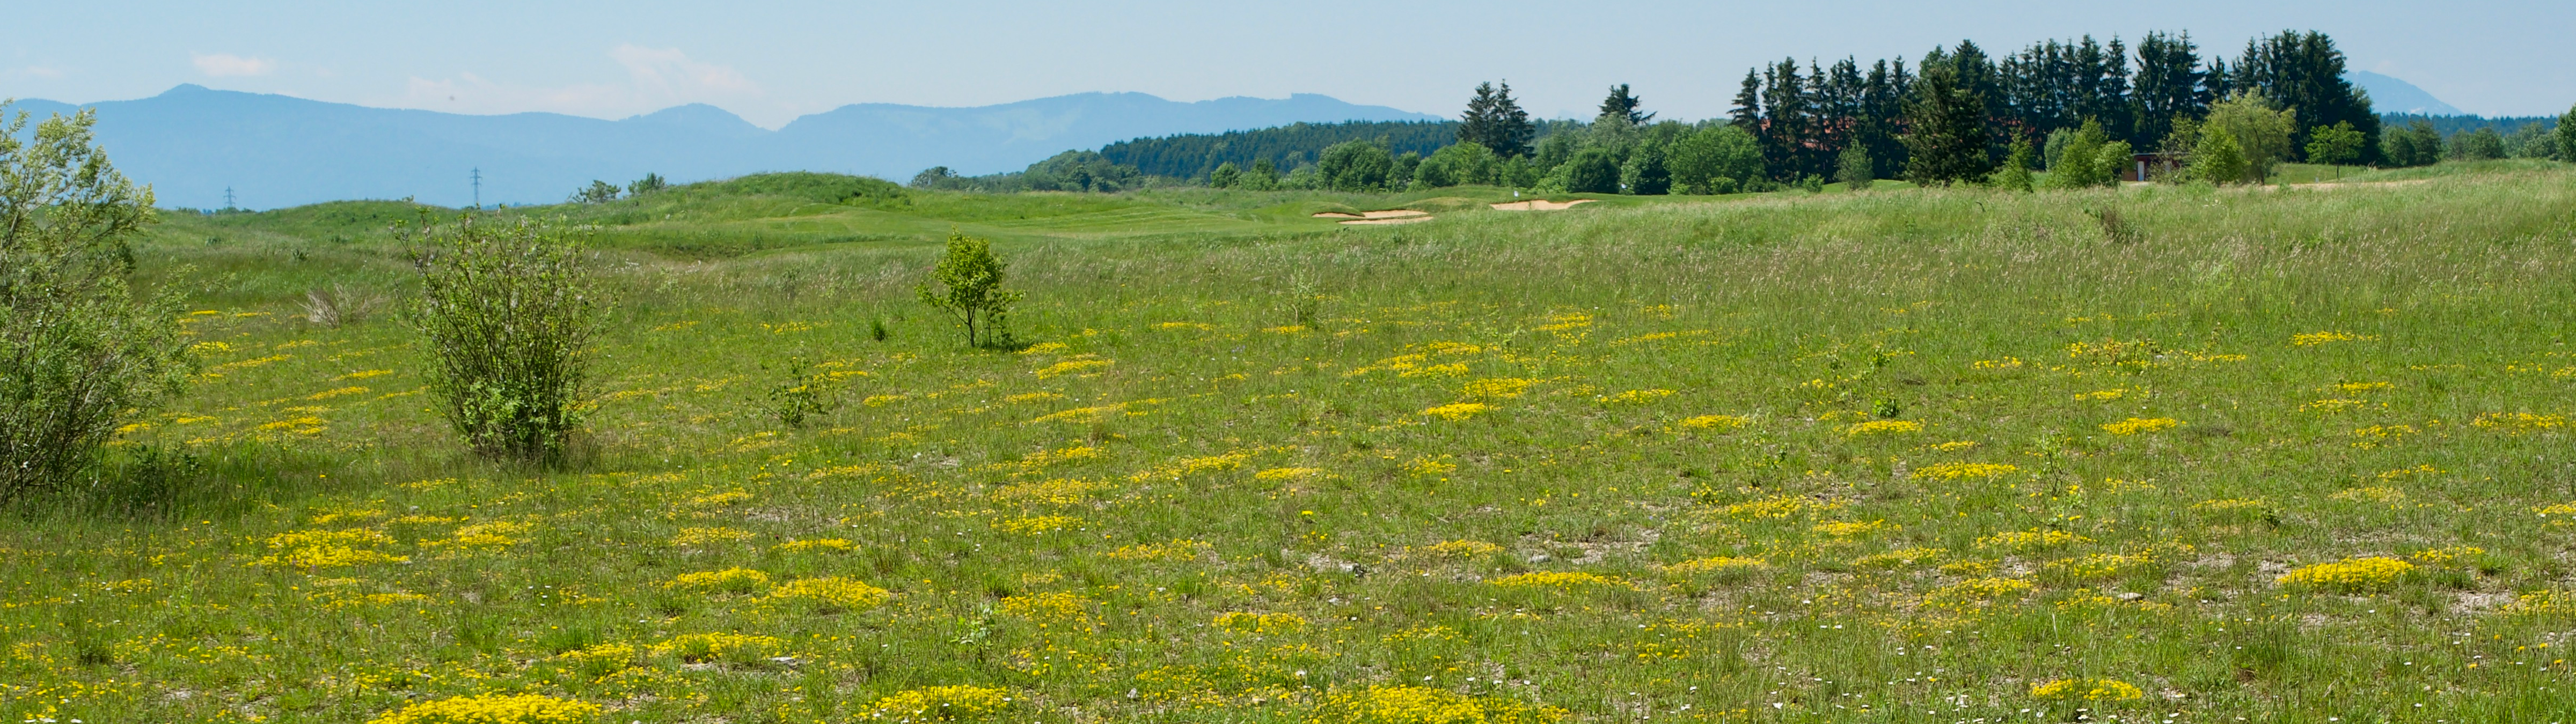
(970, 286)
(509, 315)
(80, 352)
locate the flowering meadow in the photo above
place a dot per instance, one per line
(1919, 456)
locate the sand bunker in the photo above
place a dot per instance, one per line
(1387, 214)
(1394, 220)
(1539, 205)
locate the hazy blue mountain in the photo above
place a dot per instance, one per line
(2390, 95)
(191, 143)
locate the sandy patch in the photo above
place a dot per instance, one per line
(1392, 220)
(1337, 215)
(1393, 214)
(1539, 205)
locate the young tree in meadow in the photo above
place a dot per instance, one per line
(82, 353)
(508, 315)
(1853, 169)
(2218, 159)
(2335, 145)
(969, 287)
(650, 183)
(2260, 131)
(1946, 141)
(2015, 173)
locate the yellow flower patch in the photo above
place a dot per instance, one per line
(704, 536)
(938, 704)
(2518, 423)
(2136, 425)
(312, 549)
(2086, 690)
(1276, 474)
(1714, 422)
(1071, 366)
(1638, 396)
(1882, 427)
(1037, 524)
(830, 593)
(2350, 574)
(1176, 550)
(1715, 564)
(1461, 549)
(492, 709)
(1427, 705)
(1779, 507)
(1901, 558)
(730, 580)
(2032, 539)
(2446, 556)
(1562, 580)
(1963, 471)
(1497, 387)
(1259, 623)
(1849, 529)
(735, 648)
(2312, 339)
(836, 545)
(1457, 411)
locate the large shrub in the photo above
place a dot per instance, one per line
(81, 353)
(509, 314)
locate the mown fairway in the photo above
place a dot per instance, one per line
(2159, 454)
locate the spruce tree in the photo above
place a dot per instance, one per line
(1747, 113)
(1947, 141)
(1512, 130)
(1623, 104)
(1477, 124)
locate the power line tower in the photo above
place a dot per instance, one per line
(478, 187)
(228, 198)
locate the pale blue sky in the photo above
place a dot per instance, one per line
(770, 62)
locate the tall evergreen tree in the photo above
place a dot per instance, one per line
(1495, 121)
(1946, 139)
(1477, 123)
(1747, 112)
(1512, 129)
(1787, 121)
(2304, 72)
(2169, 85)
(1624, 105)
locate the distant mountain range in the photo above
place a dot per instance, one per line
(192, 143)
(2390, 95)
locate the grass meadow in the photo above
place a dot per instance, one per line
(2158, 454)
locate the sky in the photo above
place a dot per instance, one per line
(770, 62)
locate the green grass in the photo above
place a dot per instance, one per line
(1918, 410)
